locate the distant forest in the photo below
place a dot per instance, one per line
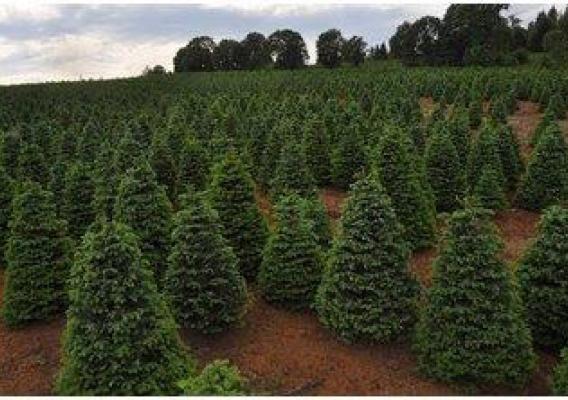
(468, 34)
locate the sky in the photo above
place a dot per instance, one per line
(50, 42)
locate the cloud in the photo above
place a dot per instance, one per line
(28, 13)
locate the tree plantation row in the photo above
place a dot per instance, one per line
(131, 206)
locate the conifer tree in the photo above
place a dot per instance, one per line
(129, 153)
(120, 338)
(37, 255)
(317, 152)
(58, 172)
(458, 127)
(32, 165)
(106, 181)
(163, 164)
(10, 151)
(489, 191)
(367, 293)
(547, 119)
(193, 166)
(348, 157)
(546, 179)
(475, 113)
(142, 204)
(232, 196)
(560, 383)
(499, 110)
(485, 151)
(205, 289)
(6, 195)
(292, 174)
(444, 171)
(316, 214)
(291, 264)
(78, 199)
(509, 153)
(543, 275)
(557, 106)
(401, 182)
(472, 327)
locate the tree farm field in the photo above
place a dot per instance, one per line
(358, 231)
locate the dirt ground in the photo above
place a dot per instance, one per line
(524, 122)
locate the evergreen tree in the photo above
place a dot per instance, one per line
(543, 275)
(485, 151)
(499, 110)
(546, 180)
(458, 127)
(37, 254)
(120, 339)
(509, 153)
(475, 113)
(547, 119)
(316, 214)
(444, 171)
(32, 165)
(163, 163)
(292, 174)
(129, 153)
(106, 181)
(291, 264)
(367, 292)
(10, 151)
(78, 199)
(57, 184)
(142, 204)
(402, 185)
(560, 383)
(557, 106)
(232, 196)
(193, 166)
(489, 191)
(204, 287)
(6, 195)
(317, 152)
(348, 157)
(472, 328)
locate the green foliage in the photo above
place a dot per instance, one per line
(37, 257)
(106, 181)
(367, 293)
(557, 106)
(6, 195)
(219, 378)
(543, 275)
(142, 204)
(458, 127)
(193, 166)
(444, 171)
(292, 263)
(547, 119)
(32, 165)
(475, 113)
(316, 214)
(205, 289)
(472, 328)
(546, 180)
(509, 154)
(120, 338)
(292, 173)
(489, 190)
(317, 151)
(232, 196)
(164, 165)
(347, 157)
(560, 383)
(129, 152)
(401, 182)
(485, 151)
(499, 110)
(78, 199)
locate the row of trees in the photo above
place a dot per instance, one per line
(477, 34)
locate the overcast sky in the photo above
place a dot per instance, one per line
(45, 42)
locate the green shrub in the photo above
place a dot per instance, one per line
(509, 154)
(444, 171)
(542, 275)
(560, 383)
(78, 199)
(32, 165)
(6, 195)
(367, 293)
(218, 378)
(317, 150)
(292, 262)
(316, 214)
(142, 204)
(401, 182)
(485, 151)
(164, 165)
(547, 119)
(232, 196)
(546, 180)
(292, 174)
(557, 106)
(205, 289)
(347, 157)
(37, 257)
(106, 181)
(120, 338)
(193, 166)
(475, 113)
(472, 328)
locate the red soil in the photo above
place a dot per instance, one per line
(333, 200)
(282, 352)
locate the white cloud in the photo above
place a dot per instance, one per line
(28, 12)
